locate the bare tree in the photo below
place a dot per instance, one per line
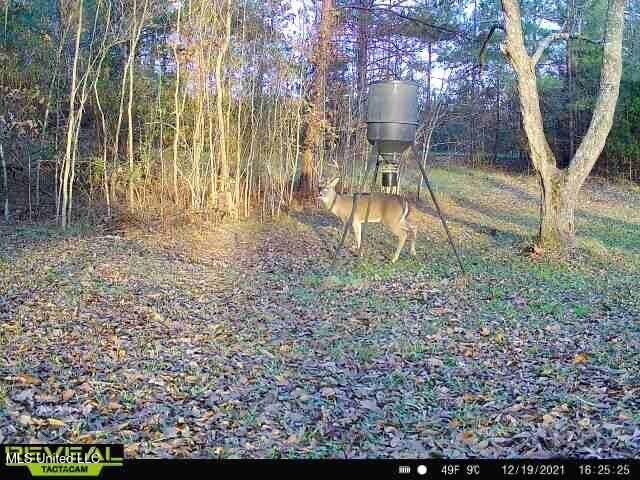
(66, 182)
(224, 161)
(560, 187)
(315, 118)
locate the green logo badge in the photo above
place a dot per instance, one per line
(64, 460)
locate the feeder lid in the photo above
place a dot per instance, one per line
(393, 101)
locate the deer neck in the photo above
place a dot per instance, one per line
(330, 203)
(342, 205)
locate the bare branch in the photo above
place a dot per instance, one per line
(486, 41)
(555, 37)
(544, 44)
(440, 28)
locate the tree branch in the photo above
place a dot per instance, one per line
(542, 156)
(406, 17)
(602, 118)
(486, 41)
(544, 44)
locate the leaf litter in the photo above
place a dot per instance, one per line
(199, 344)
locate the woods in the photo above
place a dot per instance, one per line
(224, 108)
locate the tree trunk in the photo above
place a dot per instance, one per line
(137, 27)
(362, 55)
(176, 103)
(65, 182)
(557, 225)
(560, 187)
(5, 185)
(130, 154)
(315, 118)
(224, 161)
(496, 139)
(429, 64)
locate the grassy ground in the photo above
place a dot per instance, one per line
(243, 342)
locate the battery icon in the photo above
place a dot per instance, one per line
(404, 469)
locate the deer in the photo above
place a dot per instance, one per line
(393, 211)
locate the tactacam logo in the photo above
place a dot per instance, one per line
(67, 460)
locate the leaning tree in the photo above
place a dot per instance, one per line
(560, 187)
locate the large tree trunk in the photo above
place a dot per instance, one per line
(315, 118)
(362, 55)
(560, 188)
(557, 225)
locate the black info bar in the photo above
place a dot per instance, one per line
(109, 462)
(392, 469)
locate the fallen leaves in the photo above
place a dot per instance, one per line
(85, 387)
(55, 423)
(469, 398)
(519, 302)
(548, 420)
(581, 359)
(68, 394)
(244, 353)
(468, 352)
(25, 420)
(439, 311)
(23, 379)
(435, 363)
(131, 450)
(537, 252)
(469, 438)
(584, 422)
(113, 406)
(328, 392)
(371, 405)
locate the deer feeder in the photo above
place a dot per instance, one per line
(392, 117)
(392, 122)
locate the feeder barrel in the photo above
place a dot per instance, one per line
(392, 115)
(394, 101)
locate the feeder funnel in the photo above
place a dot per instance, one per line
(392, 117)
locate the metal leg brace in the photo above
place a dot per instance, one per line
(435, 202)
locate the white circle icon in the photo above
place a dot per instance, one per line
(422, 470)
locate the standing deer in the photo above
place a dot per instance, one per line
(390, 210)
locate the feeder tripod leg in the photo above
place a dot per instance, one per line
(435, 202)
(349, 222)
(366, 215)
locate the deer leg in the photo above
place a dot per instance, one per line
(357, 232)
(402, 237)
(414, 234)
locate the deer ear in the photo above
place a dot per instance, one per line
(334, 182)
